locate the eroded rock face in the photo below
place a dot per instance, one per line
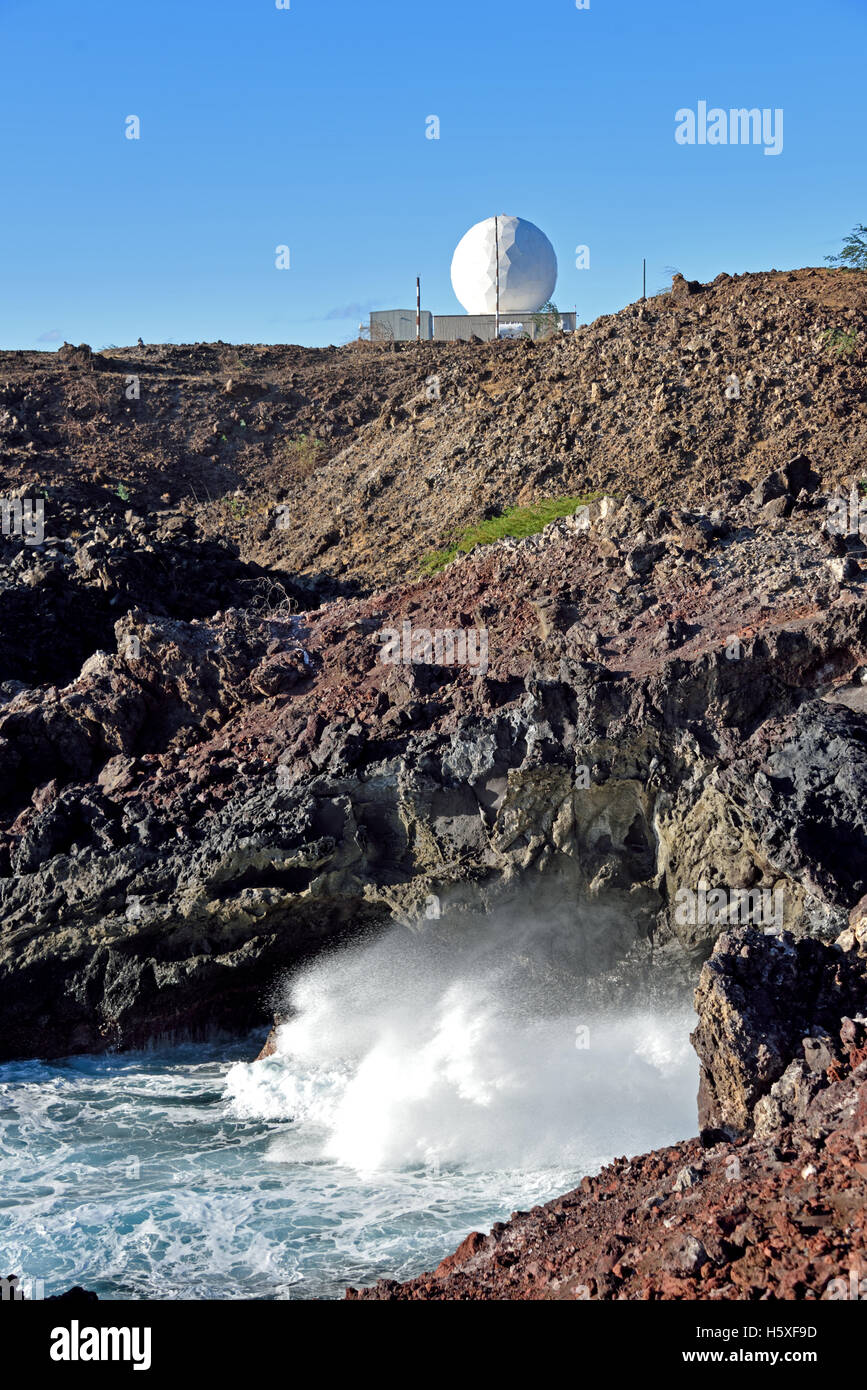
(212, 800)
(771, 1010)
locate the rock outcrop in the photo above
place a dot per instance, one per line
(670, 708)
(774, 1016)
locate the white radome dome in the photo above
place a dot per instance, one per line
(528, 267)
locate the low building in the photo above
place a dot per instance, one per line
(451, 328)
(398, 326)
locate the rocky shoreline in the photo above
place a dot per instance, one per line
(773, 1209)
(222, 756)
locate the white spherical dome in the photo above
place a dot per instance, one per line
(528, 267)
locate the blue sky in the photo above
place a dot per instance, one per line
(306, 127)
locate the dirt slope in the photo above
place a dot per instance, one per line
(414, 442)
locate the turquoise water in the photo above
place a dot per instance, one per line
(402, 1109)
(131, 1175)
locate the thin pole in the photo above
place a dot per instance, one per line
(418, 308)
(644, 279)
(497, 246)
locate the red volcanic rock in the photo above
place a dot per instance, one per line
(469, 1247)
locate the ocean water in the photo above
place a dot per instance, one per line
(403, 1108)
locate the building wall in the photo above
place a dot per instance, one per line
(398, 325)
(450, 328)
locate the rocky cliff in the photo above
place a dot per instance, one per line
(208, 775)
(671, 704)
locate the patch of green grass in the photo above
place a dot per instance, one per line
(516, 522)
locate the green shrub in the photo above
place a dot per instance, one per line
(854, 253)
(842, 344)
(548, 320)
(304, 454)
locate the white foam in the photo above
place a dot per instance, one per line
(415, 1096)
(396, 1065)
